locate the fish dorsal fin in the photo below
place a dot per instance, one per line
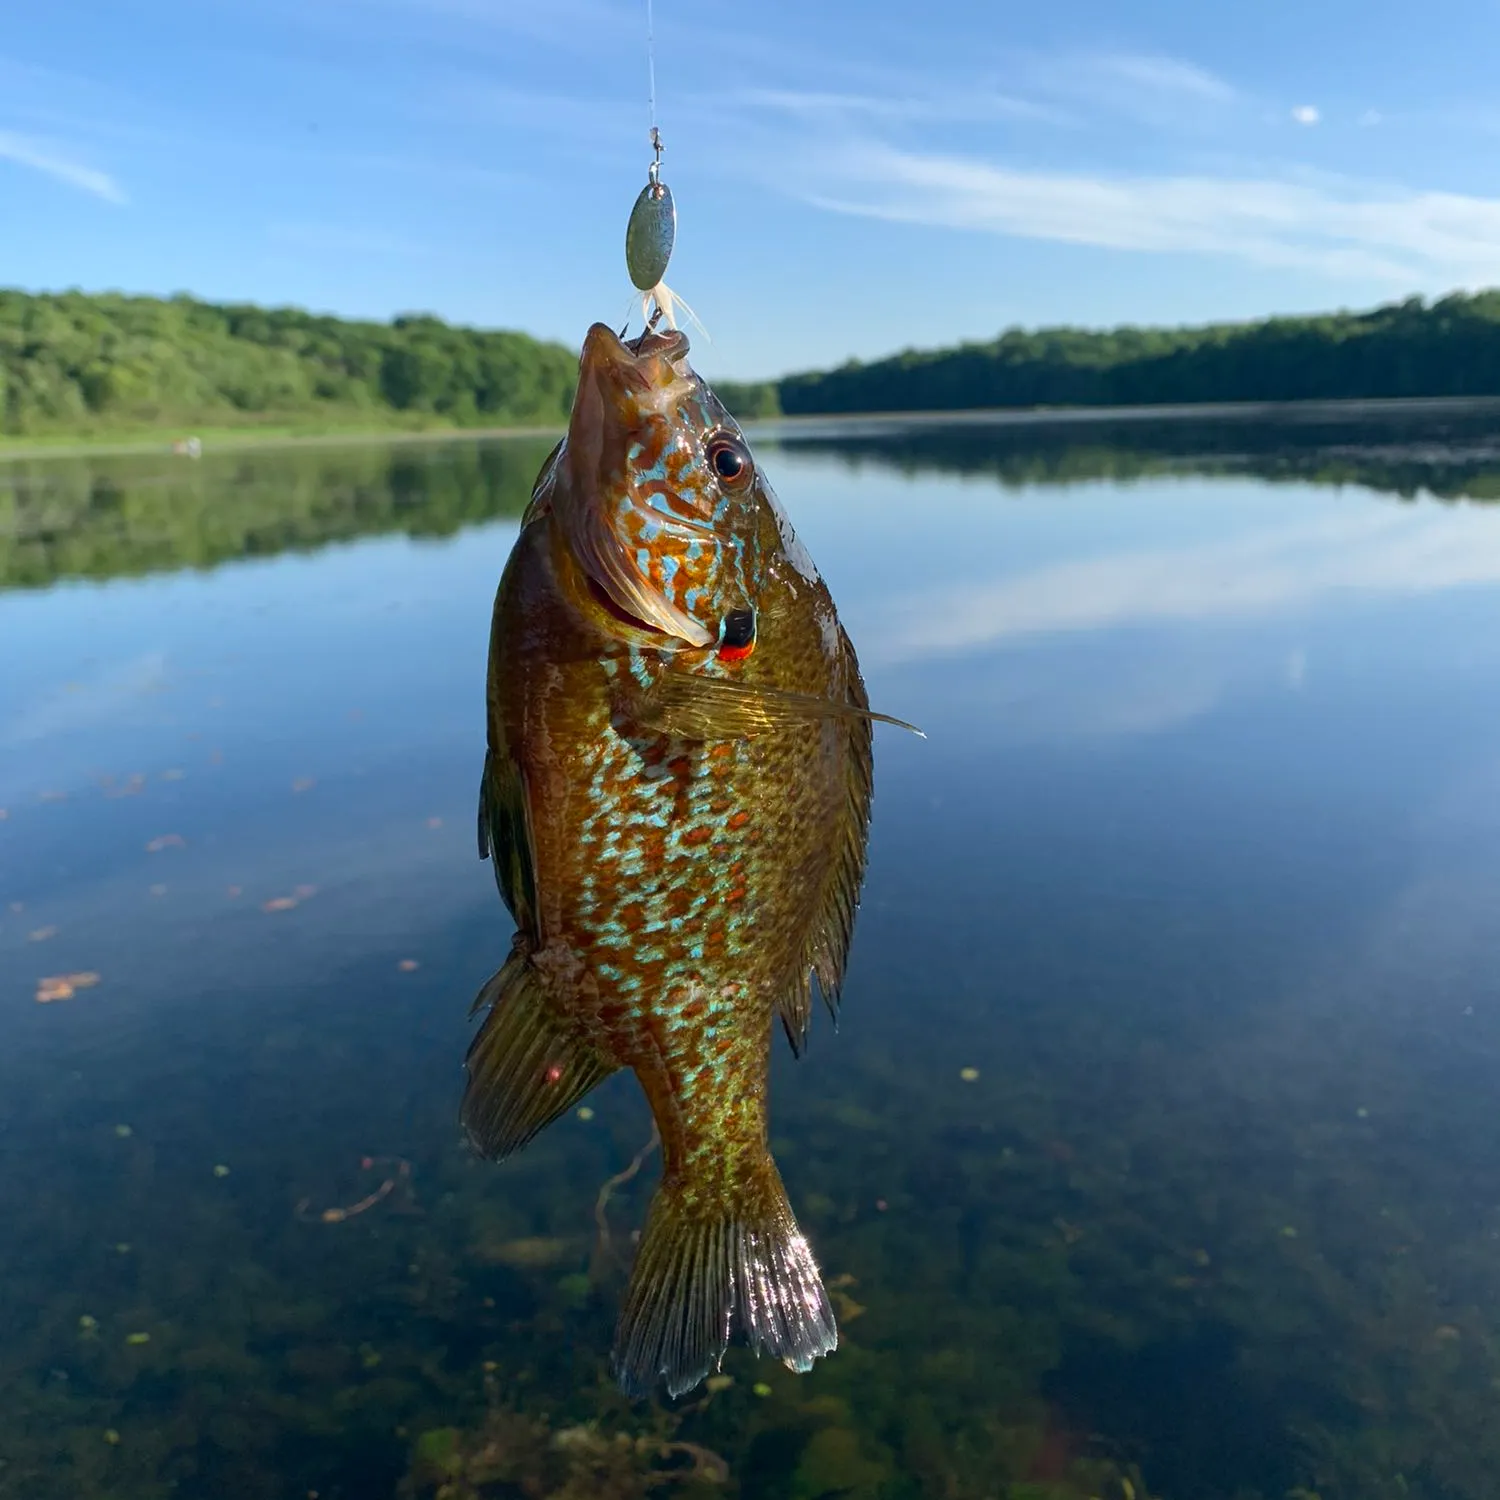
(505, 836)
(827, 948)
(693, 706)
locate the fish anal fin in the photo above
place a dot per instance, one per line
(524, 1067)
(706, 1270)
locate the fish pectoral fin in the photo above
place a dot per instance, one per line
(694, 707)
(705, 1269)
(524, 1068)
(505, 834)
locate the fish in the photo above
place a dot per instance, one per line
(676, 801)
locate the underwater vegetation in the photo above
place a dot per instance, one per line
(1043, 1303)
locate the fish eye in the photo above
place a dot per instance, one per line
(730, 459)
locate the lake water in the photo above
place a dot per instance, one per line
(1157, 1153)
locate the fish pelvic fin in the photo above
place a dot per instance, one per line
(524, 1066)
(505, 835)
(708, 1269)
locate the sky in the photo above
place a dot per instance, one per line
(853, 177)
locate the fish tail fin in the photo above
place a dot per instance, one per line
(707, 1268)
(524, 1067)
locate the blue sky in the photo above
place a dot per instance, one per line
(852, 176)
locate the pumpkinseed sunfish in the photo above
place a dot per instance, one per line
(676, 798)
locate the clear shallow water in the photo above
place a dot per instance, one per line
(1198, 868)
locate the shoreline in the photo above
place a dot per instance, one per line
(220, 440)
(230, 439)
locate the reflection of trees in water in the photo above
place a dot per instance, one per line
(1452, 454)
(104, 517)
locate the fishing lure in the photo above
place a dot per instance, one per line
(650, 236)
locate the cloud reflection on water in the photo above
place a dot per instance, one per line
(1277, 570)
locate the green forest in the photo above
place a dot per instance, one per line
(75, 365)
(1448, 348)
(79, 365)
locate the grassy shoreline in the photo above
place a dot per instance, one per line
(224, 439)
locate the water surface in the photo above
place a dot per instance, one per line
(1156, 1152)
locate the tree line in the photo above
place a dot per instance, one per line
(74, 364)
(1450, 347)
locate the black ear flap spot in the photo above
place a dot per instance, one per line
(737, 635)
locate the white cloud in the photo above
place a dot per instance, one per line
(1164, 75)
(40, 156)
(1370, 117)
(1335, 226)
(1063, 90)
(968, 103)
(1306, 114)
(1159, 91)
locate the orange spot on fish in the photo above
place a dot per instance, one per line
(735, 653)
(699, 835)
(739, 819)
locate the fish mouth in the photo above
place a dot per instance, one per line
(634, 371)
(624, 388)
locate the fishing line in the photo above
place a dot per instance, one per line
(651, 72)
(652, 230)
